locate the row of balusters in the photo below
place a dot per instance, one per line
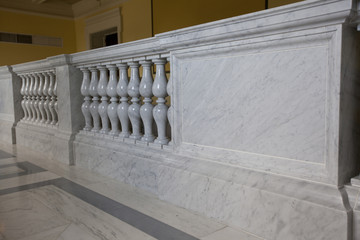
(39, 91)
(114, 105)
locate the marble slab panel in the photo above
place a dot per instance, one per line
(150, 205)
(10, 170)
(270, 103)
(21, 215)
(229, 233)
(6, 96)
(26, 179)
(52, 234)
(89, 218)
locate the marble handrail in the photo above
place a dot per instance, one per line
(124, 107)
(39, 102)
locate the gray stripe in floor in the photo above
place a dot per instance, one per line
(4, 154)
(145, 223)
(28, 168)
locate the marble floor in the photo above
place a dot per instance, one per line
(45, 200)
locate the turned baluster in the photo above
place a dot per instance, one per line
(121, 90)
(33, 97)
(147, 108)
(41, 98)
(27, 102)
(134, 108)
(94, 106)
(160, 110)
(36, 98)
(56, 102)
(104, 99)
(22, 92)
(85, 107)
(52, 94)
(46, 98)
(112, 107)
(170, 110)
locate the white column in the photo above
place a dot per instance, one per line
(41, 98)
(46, 97)
(27, 93)
(134, 108)
(147, 108)
(56, 101)
(121, 90)
(160, 110)
(112, 107)
(95, 100)
(35, 98)
(85, 107)
(52, 94)
(22, 92)
(170, 110)
(102, 85)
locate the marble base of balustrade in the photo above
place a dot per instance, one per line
(7, 131)
(268, 205)
(47, 141)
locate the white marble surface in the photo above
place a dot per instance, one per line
(10, 170)
(274, 103)
(21, 215)
(231, 234)
(26, 179)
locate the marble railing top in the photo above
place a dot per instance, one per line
(297, 16)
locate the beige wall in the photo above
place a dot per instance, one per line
(277, 3)
(135, 23)
(170, 15)
(135, 19)
(13, 53)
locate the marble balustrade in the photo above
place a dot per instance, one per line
(127, 107)
(39, 103)
(257, 125)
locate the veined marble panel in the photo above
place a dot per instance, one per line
(21, 215)
(269, 103)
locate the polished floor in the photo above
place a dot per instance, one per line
(45, 200)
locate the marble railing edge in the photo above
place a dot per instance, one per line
(5, 70)
(143, 49)
(301, 15)
(34, 66)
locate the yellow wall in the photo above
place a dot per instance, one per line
(135, 22)
(276, 3)
(175, 14)
(13, 53)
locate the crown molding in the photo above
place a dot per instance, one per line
(87, 7)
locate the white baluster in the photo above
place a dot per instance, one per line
(147, 108)
(27, 102)
(94, 106)
(36, 98)
(85, 107)
(56, 102)
(170, 110)
(32, 98)
(22, 92)
(52, 94)
(45, 92)
(121, 90)
(160, 110)
(41, 98)
(134, 108)
(104, 99)
(112, 108)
